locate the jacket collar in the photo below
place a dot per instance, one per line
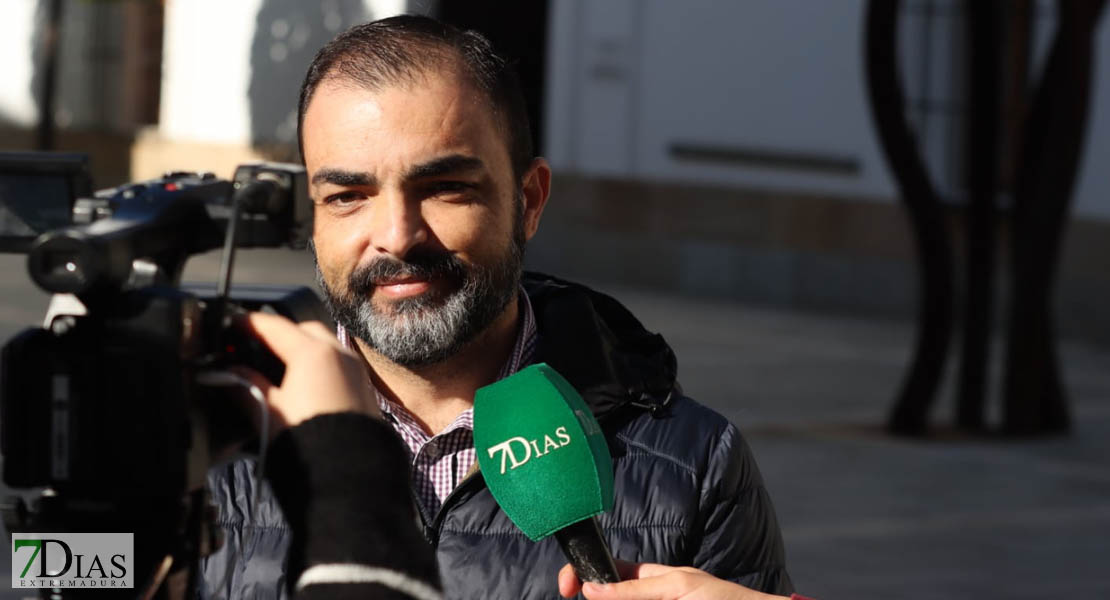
(600, 347)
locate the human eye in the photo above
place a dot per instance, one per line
(452, 186)
(450, 189)
(343, 200)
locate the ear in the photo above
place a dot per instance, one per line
(536, 186)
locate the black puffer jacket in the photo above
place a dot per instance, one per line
(688, 491)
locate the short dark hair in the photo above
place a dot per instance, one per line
(401, 49)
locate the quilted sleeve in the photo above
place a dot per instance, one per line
(741, 541)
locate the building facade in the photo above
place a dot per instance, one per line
(709, 147)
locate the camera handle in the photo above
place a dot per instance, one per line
(255, 194)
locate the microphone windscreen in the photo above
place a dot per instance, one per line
(541, 452)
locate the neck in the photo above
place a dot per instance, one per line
(436, 394)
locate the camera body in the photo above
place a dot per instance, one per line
(102, 405)
(94, 398)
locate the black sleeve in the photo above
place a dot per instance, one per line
(342, 482)
(741, 539)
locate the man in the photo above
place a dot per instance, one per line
(426, 191)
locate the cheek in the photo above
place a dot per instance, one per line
(334, 258)
(474, 233)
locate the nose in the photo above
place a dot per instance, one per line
(398, 224)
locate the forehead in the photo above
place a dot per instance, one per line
(397, 124)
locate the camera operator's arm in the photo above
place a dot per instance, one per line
(340, 474)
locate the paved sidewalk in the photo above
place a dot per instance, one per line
(864, 515)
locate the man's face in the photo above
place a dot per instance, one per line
(420, 224)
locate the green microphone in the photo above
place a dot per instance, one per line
(546, 462)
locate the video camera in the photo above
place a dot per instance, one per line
(101, 405)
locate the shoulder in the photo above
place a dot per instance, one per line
(686, 432)
(690, 455)
(671, 471)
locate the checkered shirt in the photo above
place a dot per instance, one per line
(441, 461)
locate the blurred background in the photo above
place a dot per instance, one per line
(878, 317)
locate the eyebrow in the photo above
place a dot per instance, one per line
(452, 163)
(344, 178)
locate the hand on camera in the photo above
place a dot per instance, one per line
(649, 581)
(321, 376)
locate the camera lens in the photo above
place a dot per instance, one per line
(61, 264)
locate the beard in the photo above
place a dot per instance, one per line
(431, 327)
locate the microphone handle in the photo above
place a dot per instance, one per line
(587, 552)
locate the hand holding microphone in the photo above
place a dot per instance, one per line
(547, 464)
(649, 581)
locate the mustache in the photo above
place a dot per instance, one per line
(421, 263)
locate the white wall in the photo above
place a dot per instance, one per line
(628, 78)
(17, 105)
(208, 70)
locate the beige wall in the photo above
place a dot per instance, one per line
(152, 155)
(794, 249)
